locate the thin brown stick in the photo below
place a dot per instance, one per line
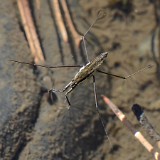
(59, 20)
(30, 31)
(38, 4)
(27, 30)
(75, 34)
(155, 38)
(131, 128)
(35, 40)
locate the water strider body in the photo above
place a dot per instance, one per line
(85, 72)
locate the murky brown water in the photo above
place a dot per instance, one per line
(31, 128)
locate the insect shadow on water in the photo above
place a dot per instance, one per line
(86, 71)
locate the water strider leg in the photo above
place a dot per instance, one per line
(63, 90)
(67, 99)
(83, 39)
(100, 15)
(96, 103)
(110, 74)
(85, 48)
(125, 77)
(47, 66)
(66, 95)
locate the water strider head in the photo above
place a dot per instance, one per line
(96, 62)
(103, 55)
(100, 58)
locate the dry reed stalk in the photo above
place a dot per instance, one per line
(38, 4)
(30, 31)
(59, 20)
(157, 16)
(131, 128)
(75, 34)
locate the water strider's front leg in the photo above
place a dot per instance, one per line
(61, 90)
(71, 85)
(66, 95)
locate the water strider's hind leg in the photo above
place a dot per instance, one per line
(96, 103)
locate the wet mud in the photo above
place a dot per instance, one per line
(33, 127)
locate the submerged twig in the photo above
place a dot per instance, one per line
(131, 128)
(38, 4)
(75, 34)
(59, 20)
(155, 38)
(30, 31)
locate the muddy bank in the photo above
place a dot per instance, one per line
(34, 128)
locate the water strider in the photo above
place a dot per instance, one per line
(85, 71)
